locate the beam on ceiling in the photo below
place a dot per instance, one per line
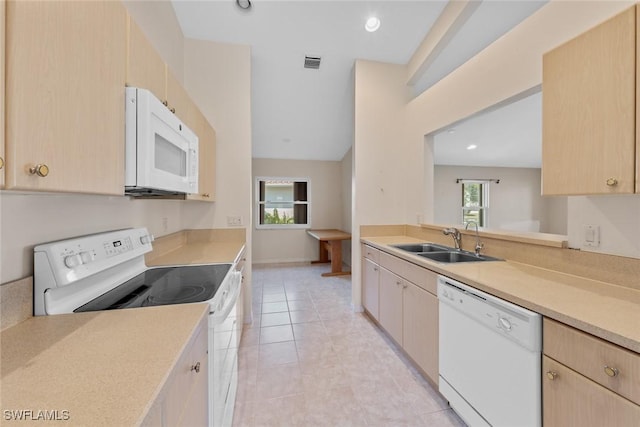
(452, 18)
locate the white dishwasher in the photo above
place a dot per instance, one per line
(490, 357)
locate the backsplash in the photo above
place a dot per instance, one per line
(16, 302)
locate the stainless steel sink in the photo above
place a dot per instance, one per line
(456, 256)
(422, 247)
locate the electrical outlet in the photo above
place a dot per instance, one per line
(234, 220)
(592, 236)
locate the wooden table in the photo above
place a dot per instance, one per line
(331, 246)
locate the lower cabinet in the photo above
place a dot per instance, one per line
(401, 297)
(569, 399)
(587, 381)
(391, 290)
(370, 287)
(184, 398)
(420, 328)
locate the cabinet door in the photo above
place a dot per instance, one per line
(420, 328)
(391, 289)
(145, 67)
(573, 400)
(589, 98)
(65, 76)
(206, 156)
(2, 100)
(370, 287)
(178, 99)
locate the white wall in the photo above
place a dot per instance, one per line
(510, 66)
(514, 204)
(382, 160)
(294, 245)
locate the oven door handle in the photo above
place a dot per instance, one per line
(220, 315)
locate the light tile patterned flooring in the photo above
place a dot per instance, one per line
(309, 360)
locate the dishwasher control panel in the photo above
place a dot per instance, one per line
(519, 324)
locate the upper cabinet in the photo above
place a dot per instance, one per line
(2, 33)
(207, 156)
(145, 67)
(65, 74)
(589, 111)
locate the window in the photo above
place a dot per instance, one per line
(282, 202)
(475, 202)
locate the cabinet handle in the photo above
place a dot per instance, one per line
(404, 286)
(173, 110)
(552, 375)
(40, 170)
(205, 195)
(375, 268)
(612, 372)
(1, 162)
(612, 182)
(196, 367)
(165, 103)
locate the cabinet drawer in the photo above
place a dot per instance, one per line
(422, 277)
(569, 399)
(371, 253)
(594, 358)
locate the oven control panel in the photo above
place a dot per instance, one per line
(67, 261)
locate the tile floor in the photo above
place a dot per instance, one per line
(309, 360)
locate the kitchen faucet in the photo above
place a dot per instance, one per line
(455, 233)
(479, 245)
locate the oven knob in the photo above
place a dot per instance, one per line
(72, 261)
(86, 257)
(146, 239)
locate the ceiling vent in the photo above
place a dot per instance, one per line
(312, 62)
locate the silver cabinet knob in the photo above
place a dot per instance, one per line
(196, 367)
(612, 372)
(552, 375)
(40, 170)
(611, 182)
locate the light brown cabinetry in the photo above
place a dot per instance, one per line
(207, 155)
(65, 73)
(370, 281)
(184, 399)
(588, 381)
(145, 67)
(420, 327)
(391, 290)
(2, 100)
(589, 111)
(406, 306)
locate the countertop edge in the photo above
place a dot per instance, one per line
(599, 331)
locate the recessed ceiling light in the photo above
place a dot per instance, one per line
(472, 147)
(372, 24)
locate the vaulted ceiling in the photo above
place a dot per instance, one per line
(300, 113)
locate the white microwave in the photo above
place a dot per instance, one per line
(161, 152)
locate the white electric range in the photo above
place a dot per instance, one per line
(106, 271)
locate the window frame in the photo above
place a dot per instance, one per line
(258, 203)
(483, 208)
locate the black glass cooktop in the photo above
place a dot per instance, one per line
(163, 286)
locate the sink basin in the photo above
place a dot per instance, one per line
(422, 247)
(454, 256)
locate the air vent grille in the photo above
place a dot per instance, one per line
(312, 62)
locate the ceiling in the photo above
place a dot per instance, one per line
(300, 113)
(509, 136)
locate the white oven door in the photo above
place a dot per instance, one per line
(223, 352)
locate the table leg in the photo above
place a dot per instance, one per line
(336, 259)
(323, 253)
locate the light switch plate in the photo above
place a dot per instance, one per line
(591, 236)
